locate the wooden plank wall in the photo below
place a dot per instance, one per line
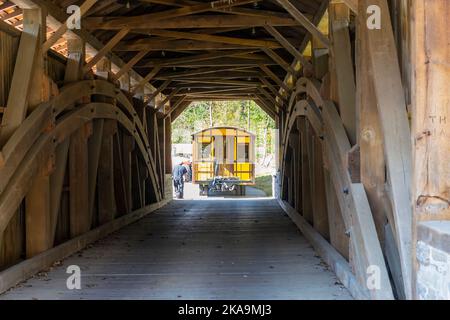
(103, 163)
(14, 233)
(366, 171)
(431, 149)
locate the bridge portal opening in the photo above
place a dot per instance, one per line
(228, 148)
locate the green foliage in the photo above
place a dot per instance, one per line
(243, 114)
(264, 183)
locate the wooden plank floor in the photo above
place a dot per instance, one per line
(196, 249)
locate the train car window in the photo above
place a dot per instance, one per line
(230, 149)
(243, 152)
(218, 148)
(204, 150)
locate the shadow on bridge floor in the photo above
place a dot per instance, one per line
(223, 249)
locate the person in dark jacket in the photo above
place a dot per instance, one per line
(188, 166)
(178, 181)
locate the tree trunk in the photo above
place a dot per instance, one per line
(210, 114)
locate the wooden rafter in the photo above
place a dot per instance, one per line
(199, 21)
(87, 4)
(138, 21)
(105, 50)
(288, 46)
(213, 38)
(307, 24)
(131, 63)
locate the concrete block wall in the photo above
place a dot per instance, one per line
(433, 261)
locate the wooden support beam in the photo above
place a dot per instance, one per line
(195, 58)
(167, 146)
(127, 149)
(354, 206)
(38, 215)
(119, 175)
(146, 79)
(281, 62)
(78, 182)
(230, 90)
(76, 48)
(305, 137)
(218, 83)
(104, 51)
(430, 99)
(75, 60)
(162, 87)
(176, 105)
(198, 21)
(17, 104)
(137, 185)
(160, 106)
(94, 149)
(431, 111)
(138, 21)
(270, 98)
(273, 76)
(7, 5)
(161, 149)
(87, 4)
(14, 14)
(56, 185)
(264, 106)
(339, 238)
(307, 24)
(396, 133)
(176, 112)
(131, 63)
(107, 209)
(343, 65)
(288, 46)
(209, 71)
(318, 190)
(57, 16)
(370, 137)
(352, 4)
(271, 88)
(214, 38)
(219, 74)
(185, 45)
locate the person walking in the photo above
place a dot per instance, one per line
(178, 179)
(188, 166)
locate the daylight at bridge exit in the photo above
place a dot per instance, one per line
(201, 151)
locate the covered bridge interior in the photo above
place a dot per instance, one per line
(358, 90)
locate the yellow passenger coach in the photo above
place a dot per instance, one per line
(223, 160)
